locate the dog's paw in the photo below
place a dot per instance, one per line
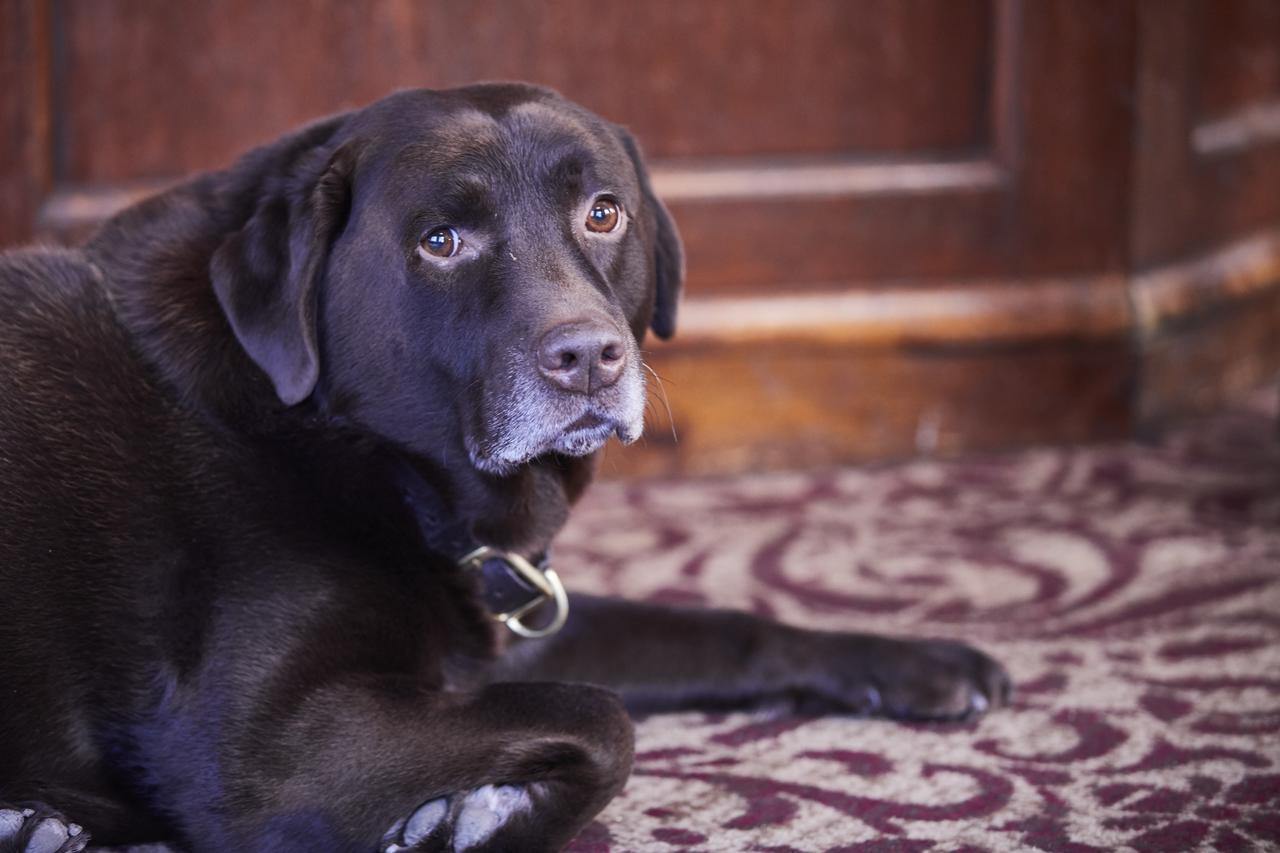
(466, 821)
(37, 829)
(937, 680)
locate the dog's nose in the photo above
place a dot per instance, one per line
(582, 357)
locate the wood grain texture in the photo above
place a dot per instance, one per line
(1072, 187)
(934, 369)
(167, 88)
(25, 153)
(911, 225)
(1051, 197)
(1165, 196)
(750, 407)
(1206, 154)
(1033, 93)
(962, 312)
(1239, 56)
(1198, 364)
(1167, 296)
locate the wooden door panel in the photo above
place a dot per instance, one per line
(25, 161)
(904, 218)
(833, 145)
(1208, 161)
(1044, 195)
(158, 89)
(951, 227)
(1238, 56)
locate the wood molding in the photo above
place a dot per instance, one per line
(70, 212)
(1251, 127)
(986, 312)
(877, 372)
(26, 163)
(907, 314)
(835, 177)
(77, 205)
(1175, 293)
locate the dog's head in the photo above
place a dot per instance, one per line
(476, 265)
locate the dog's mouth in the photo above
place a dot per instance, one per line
(589, 433)
(583, 435)
(589, 421)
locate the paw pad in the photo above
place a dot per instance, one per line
(31, 830)
(458, 822)
(484, 811)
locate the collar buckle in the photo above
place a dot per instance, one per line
(514, 587)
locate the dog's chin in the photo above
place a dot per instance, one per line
(588, 434)
(582, 437)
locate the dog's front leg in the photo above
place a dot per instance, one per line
(383, 766)
(665, 658)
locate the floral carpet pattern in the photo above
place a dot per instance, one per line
(1132, 591)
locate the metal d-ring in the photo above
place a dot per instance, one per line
(545, 580)
(558, 595)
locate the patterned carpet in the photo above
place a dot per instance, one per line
(1133, 592)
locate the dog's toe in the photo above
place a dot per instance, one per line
(48, 836)
(484, 811)
(11, 821)
(39, 830)
(459, 822)
(425, 821)
(941, 680)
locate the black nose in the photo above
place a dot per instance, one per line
(582, 357)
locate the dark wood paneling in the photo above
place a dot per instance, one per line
(25, 172)
(1030, 99)
(1071, 210)
(1209, 328)
(1203, 178)
(955, 368)
(835, 403)
(1199, 363)
(768, 245)
(162, 88)
(1051, 197)
(912, 225)
(1164, 198)
(1239, 56)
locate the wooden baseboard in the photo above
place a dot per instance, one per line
(893, 371)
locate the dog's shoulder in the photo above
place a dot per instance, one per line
(40, 283)
(53, 310)
(64, 357)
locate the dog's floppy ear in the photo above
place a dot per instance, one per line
(668, 262)
(265, 274)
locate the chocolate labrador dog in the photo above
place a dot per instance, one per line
(282, 452)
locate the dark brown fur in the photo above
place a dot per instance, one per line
(226, 621)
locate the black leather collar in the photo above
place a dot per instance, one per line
(512, 586)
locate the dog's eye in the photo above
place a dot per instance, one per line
(604, 215)
(442, 242)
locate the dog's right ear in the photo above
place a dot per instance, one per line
(265, 275)
(668, 253)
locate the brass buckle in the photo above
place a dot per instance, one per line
(546, 581)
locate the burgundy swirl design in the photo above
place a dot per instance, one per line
(1134, 593)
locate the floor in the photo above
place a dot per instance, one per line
(1133, 592)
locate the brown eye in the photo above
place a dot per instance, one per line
(442, 242)
(604, 215)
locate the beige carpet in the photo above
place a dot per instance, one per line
(1133, 592)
